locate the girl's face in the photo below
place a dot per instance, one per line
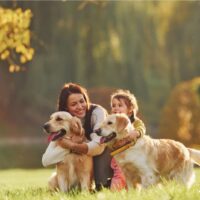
(119, 106)
(77, 105)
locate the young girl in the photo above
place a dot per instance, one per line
(122, 101)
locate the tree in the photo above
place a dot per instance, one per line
(15, 36)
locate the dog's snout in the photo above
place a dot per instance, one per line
(46, 127)
(98, 131)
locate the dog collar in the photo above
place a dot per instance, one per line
(123, 148)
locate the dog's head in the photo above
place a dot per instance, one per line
(115, 127)
(62, 123)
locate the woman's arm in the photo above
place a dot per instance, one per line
(98, 116)
(53, 154)
(92, 147)
(73, 146)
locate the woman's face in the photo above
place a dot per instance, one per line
(119, 106)
(77, 105)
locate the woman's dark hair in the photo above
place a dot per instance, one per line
(66, 91)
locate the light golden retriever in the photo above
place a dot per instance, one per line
(150, 159)
(75, 170)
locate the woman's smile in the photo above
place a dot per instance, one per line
(76, 105)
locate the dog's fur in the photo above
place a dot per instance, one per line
(150, 159)
(76, 170)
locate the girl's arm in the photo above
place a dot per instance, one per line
(139, 131)
(140, 128)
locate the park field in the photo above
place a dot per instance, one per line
(20, 184)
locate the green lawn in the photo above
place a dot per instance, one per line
(17, 178)
(19, 184)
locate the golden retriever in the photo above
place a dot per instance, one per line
(150, 159)
(75, 170)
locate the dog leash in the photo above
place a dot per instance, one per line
(123, 148)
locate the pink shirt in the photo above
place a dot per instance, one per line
(118, 181)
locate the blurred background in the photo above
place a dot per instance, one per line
(148, 47)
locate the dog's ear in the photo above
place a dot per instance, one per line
(122, 122)
(76, 126)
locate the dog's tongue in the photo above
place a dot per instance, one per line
(102, 140)
(50, 137)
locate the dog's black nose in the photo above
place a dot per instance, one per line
(46, 127)
(98, 131)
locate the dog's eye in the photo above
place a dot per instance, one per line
(58, 119)
(109, 123)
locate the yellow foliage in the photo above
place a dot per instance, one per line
(14, 68)
(15, 36)
(181, 114)
(23, 59)
(5, 55)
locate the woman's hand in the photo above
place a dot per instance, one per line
(66, 143)
(77, 139)
(74, 147)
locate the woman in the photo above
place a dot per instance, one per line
(74, 99)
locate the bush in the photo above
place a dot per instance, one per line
(180, 118)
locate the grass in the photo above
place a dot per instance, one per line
(19, 184)
(21, 155)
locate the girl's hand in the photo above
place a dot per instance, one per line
(132, 137)
(121, 143)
